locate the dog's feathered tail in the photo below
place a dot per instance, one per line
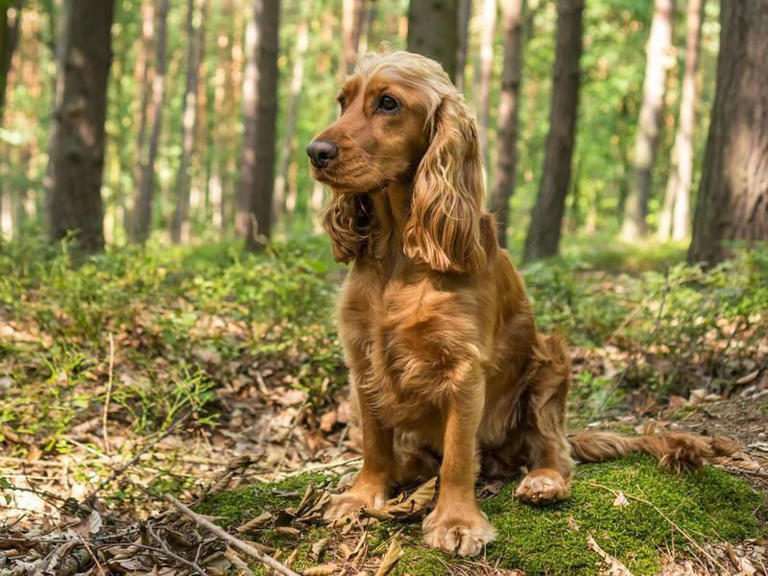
(673, 450)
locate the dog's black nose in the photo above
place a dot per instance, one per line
(321, 152)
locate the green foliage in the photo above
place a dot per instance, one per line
(182, 322)
(705, 505)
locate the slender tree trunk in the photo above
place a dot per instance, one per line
(369, 8)
(352, 22)
(649, 126)
(297, 80)
(146, 192)
(676, 214)
(488, 28)
(733, 196)
(77, 148)
(509, 104)
(462, 32)
(196, 13)
(434, 32)
(10, 22)
(144, 75)
(257, 166)
(544, 232)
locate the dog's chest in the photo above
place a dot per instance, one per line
(408, 343)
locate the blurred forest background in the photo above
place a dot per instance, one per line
(186, 160)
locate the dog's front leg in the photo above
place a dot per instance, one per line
(457, 524)
(371, 486)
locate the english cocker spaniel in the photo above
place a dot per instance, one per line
(446, 367)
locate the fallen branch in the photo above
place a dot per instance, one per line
(238, 562)
(231, 540)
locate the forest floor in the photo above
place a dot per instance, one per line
(215, 378)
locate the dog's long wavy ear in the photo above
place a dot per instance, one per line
(342, 220)
(443, 229)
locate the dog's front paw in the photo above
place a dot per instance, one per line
(543, 485)
(352, 501)
(457, 533)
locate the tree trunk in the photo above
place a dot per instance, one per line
(462, 33)
(676, 214)
(649, 125)
(509, 104)
(297, 80)
(77, 145)
(10, 21)
(196, 13)
(143, 71)
(257, 167)
(544, 233)
(488, 28)
(146, 190)
(352, 22)
(733, 196)
(433, 31)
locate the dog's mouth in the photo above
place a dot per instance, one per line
(347, 183)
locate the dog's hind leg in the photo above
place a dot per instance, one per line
(546, 448)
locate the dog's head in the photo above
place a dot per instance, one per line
(402, 121)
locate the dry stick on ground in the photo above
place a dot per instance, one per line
(105, 415)
(645, 345)
(136, 457)
(667, 518)
(170, 554)
(231, 540)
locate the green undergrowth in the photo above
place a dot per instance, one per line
(661, 510)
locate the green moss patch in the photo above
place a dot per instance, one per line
(660, 509)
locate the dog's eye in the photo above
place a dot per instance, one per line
(387, 104)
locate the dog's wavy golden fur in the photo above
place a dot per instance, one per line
(447, 369)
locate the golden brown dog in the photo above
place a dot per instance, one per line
(438, 333)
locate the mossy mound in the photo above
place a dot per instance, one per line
(659, 509)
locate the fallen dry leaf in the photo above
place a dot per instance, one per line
(394, 552)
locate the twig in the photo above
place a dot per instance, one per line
(92, 555)
(294, 424)
(231, 540)
(667, 518)
(105, 414)
(648, 339)
(168, 552)
(136, 456)
(319, 467)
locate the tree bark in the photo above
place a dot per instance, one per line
(352, 23)
(462, 35)
(257, 167)
(675, 216)
(144, 75)
(77, 145)
(488, 29)
(434, 32)
(509, 104)
(650, 123)
(196, 14)
(544, 232)
(10, 22)
(733, 196)
(146, 189)
(292, 108)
